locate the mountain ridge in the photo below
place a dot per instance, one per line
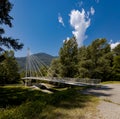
(44, 57)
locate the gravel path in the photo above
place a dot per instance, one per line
(109, 106)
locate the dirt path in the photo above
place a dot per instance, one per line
(109, 107)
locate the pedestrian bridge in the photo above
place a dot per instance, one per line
(69, 81)
(33, 71)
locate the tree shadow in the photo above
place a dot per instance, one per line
(102, 87)
(69, 98)
(97, 91)
(14, 96)
(29, 103)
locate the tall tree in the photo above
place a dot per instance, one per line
(9, 69)
(116, 68)
(99, 48)
(5, 18)
(95, 61)
(116, 62)
(69, 58)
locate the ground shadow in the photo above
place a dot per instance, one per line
(31, 103)
(97, 90)
(68, 98)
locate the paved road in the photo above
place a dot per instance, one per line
(109, 107)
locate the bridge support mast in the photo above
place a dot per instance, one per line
(28, 70)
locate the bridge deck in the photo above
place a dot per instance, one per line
(70, 82)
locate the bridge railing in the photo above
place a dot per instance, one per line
(77, 80)
(66, 80)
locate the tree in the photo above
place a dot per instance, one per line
(95, 61)
(55, 68)
(82, 53)
(5, 18)
(116, 50)
(85, 63)
(9, 69)
(68, 56)
(116, 67)
(116, 62)
(44, 70)
(99, 47)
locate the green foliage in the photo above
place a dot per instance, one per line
(116, 67)
(5, 8)
(98, 48)
(85, 68)
(94, 61)
(116, 50)
(116, 62)
(5, 18)
(44, 70)
(55, 68)
(25, 103)
(9, 69)
(68, 57)
(111, 82)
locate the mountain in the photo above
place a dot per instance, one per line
(43, 57)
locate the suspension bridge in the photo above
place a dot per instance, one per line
(33, 72)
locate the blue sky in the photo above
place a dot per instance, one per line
(43, 25)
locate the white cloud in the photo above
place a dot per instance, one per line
(60, 20)
(80, 21)
(66, 39)
(113, 45)
(92, 11)
(63, 41)
(111, 41)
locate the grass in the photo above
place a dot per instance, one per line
(111, 82)
(19, 102)
(107, 100)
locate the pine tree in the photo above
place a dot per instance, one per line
(5, 19)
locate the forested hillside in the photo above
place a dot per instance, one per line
(46, 58)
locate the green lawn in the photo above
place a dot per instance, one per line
(17, 102)
(111, 82)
